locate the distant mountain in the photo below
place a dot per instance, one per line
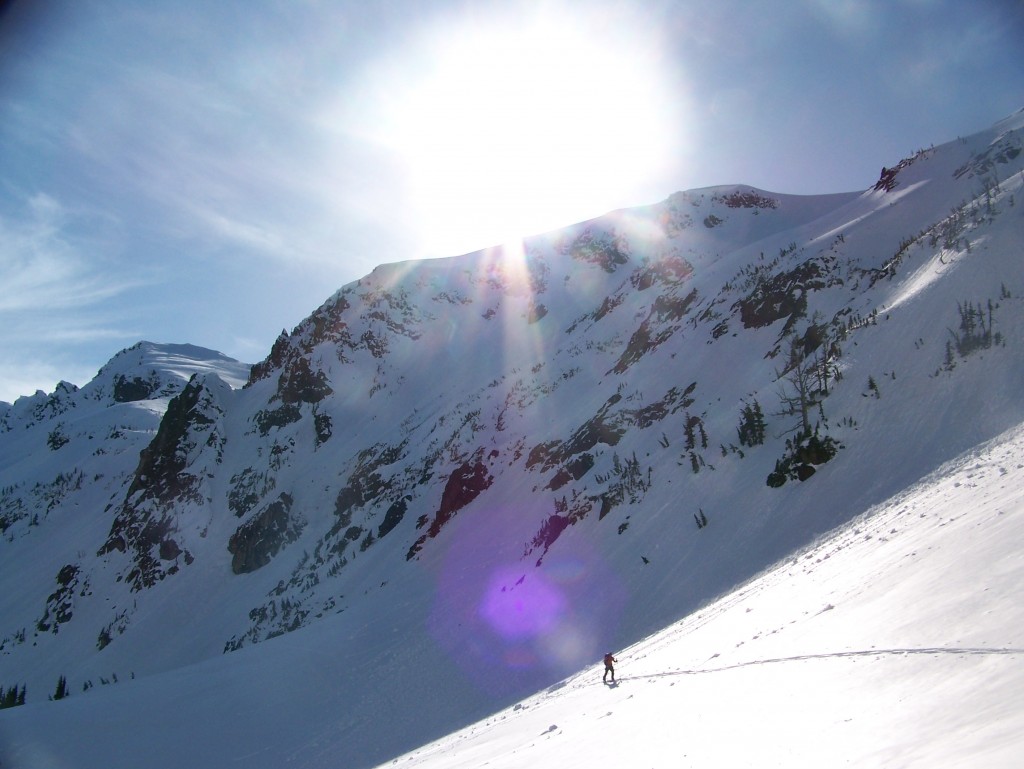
(463, 479)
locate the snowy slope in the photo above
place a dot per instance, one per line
(459, 481)
(896, 641)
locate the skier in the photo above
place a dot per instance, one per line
(609, 667)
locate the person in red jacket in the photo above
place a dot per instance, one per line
(609, 667)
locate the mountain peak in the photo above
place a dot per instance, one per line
(475, 475)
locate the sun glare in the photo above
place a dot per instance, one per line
(505, 127)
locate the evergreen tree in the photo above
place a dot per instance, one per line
(12, 697)
(62, 689)
(751, 429)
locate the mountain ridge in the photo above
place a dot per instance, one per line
(493, 467)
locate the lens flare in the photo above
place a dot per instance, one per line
(531, 608)
(505, 620)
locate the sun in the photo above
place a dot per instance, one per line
(506, 126)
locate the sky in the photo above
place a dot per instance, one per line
(210, 173)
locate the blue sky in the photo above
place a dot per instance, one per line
(211, 172)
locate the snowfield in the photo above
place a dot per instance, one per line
(896, 641)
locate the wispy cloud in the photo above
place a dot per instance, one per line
(205, 163)
(201, 127)
(248, 235)
(53, 293)
(40, 268)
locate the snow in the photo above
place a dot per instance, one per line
(870, 616)
(896, 641)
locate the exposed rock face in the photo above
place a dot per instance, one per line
(255, 542)
(163, 484)
(135, 389)
(465, 484)
(784, 294)
(598, 248)
(60, 603)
